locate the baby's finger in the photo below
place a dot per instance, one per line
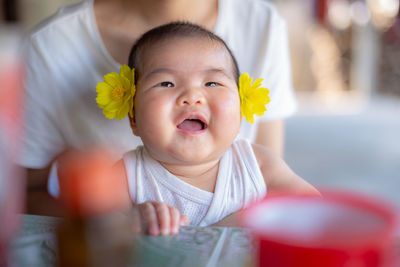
(135, 218)
(163, 217)
(184, 220)
(149, 214)
(175, 219)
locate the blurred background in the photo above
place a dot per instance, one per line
(346, 72)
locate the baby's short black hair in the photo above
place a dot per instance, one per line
(171, 30)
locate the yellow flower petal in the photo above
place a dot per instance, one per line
(103, 94)
(253, 98)
(114, 105)
(123, 111)
(249, 117)
(131, 107)
(109, 114)
(126, 84)
(257, 83)
(133, 89)
(126, 72)
(103, 87)
(102, 101)
(112, 79)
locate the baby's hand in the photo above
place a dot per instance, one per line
(161, 218)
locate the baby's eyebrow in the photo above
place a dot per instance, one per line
(157, 71)
(218, 71)
(171, 71)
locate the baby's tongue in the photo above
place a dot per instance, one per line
(190, 125)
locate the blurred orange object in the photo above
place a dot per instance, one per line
(96, 229)
(90, 184)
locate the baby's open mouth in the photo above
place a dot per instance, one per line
(192, 125)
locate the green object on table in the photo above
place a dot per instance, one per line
(36, 245)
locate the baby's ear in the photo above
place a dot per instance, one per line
(132, 122)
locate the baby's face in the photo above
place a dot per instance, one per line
(187, 106)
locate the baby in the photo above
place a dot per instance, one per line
(186, 101)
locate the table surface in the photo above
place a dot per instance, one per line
(36, 245)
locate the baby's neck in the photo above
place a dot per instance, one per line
(203, 175)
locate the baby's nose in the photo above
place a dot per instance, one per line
(191, 96)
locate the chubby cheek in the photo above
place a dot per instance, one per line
(150, 114)
(229, 112)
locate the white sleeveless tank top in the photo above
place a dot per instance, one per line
(239, 182)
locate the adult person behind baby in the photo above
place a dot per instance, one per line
(71, 51)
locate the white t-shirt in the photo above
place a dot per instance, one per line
(67, 58)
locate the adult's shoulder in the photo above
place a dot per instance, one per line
(65, 40)
(61, 19)
(250, 28)
(248, 11)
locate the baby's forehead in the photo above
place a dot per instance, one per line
(174, 41)
(152, 50)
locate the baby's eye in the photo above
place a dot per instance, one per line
(166, 84)
(212, 84)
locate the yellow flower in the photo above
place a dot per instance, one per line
(253, 98)
(115, 94)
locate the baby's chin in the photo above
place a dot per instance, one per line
(187, 157)
(190, 149)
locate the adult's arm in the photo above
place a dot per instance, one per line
(278, 176)
(272, 135)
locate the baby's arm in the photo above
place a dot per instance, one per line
(153, 217)
(278, 176)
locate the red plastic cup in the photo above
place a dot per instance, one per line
(338, 229)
